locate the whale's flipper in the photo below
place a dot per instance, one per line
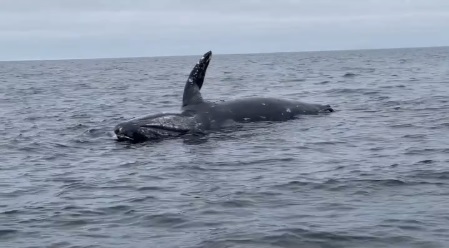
(195, 81)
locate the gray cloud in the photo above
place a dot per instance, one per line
(49, 29)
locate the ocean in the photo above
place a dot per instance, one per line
(374, 173)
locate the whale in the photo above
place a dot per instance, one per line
(198, 116)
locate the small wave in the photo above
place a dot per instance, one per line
(77, 127)
(349, 75)
(237, 203)
(115, 209)
(384, 182)
(150, 188)
(426, 161)
(143, 199)
(346, 91)
(446, 124)
(414, 136)
(292, 80)
(404, 224)
(343, 184)
(13, 211)
(339, 185)
(72, 222)
(162, 220)
(296, 184)
(317, 235)
(6, 232)
(424, 151)
(129, 164)
(291, 237)
(403, 125)
(431, 174)
(189, 167)
(96, 132)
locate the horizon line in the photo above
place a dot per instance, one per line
(188, 55)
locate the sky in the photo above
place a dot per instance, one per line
(61, 29)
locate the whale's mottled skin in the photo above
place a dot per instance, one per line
(198, 115)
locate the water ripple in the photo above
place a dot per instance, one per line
(372, 174)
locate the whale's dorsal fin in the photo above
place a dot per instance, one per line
(195, 81)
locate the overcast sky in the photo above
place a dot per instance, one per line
(56, 29)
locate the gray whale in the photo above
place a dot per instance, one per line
(198, 115)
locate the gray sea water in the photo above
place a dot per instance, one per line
(375, 173)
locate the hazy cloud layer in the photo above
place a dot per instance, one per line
(50, 29)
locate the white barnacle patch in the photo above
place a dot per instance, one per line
(190, 80)
(264, 104)
(288, 110)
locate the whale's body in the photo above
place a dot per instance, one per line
(198, 115)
